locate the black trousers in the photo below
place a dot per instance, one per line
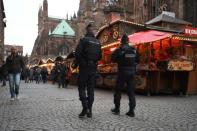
(86, 85)
(128, 78)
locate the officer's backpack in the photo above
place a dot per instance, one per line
(127, 56)
(92, 49)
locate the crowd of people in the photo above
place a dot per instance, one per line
(60, 74)
(37, 73)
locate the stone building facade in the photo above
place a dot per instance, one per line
(2, 26)
(102, 12)
(55, 37)
(145, 10)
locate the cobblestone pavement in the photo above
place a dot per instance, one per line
(44, 107)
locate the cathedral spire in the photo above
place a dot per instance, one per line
(45, 8)
(74, 16)
(40, 11)
(67, 16)
(45, 16)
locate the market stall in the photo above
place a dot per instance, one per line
(164, 60)
(109, 36)
(165, 65)
(189, 40)
(48, 64)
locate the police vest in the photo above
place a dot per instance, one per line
(92, 49)
(127, 56)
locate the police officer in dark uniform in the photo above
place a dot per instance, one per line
(126, 57)
(87, 54)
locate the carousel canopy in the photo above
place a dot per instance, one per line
(148, 36)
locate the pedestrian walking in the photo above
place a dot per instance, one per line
(126, 57)
(44, 74)
(68, 75)
(88, 53)
(61, 72)
(31, 74)
(38, 76)
(14, 66)
(53, 75)
(26, 74)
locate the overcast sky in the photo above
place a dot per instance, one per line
(22, 19)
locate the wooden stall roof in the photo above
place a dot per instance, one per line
(115, 22)
(42, 61)
(49, 60)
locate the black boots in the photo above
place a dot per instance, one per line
(83, 113)
(131, 113)
(115, 111)
(89, 113)
(87, 110)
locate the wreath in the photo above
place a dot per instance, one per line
(115, 35)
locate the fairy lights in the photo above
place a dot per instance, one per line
(110, 45)
(184, 38)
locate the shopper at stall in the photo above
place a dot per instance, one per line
(88, 53)
(26, 74)
(31, 74)
(14, 66)
(67, 75)
(61, 72)
(127, 58)
(38, 76)
(44, 74)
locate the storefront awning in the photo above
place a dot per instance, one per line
(148, 36)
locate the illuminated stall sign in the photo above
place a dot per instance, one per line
(191, 31)
(180, 65)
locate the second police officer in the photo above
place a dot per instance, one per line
(126, 57)
(87, 54)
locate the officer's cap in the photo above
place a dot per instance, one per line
(88, 27)
(124, 39)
